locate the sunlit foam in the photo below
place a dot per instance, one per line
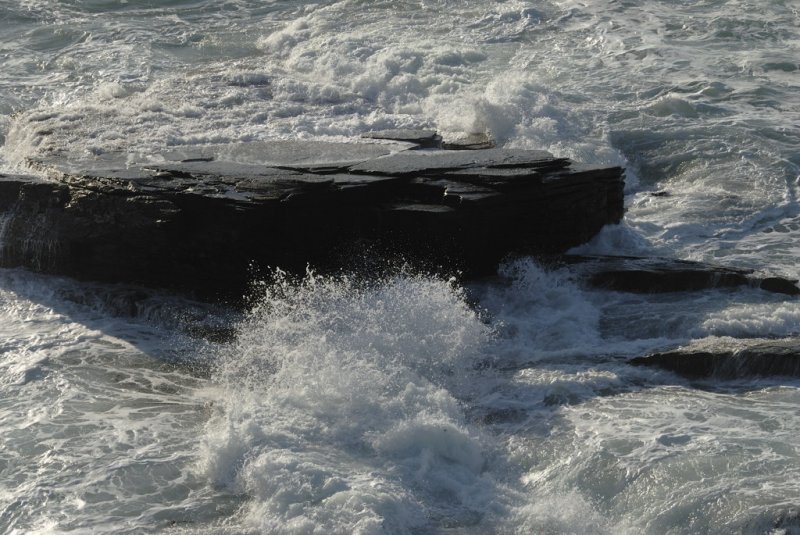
(342, 405)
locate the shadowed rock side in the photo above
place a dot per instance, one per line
(196, 218)
(745, 359)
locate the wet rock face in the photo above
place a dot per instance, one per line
(750, 359)
(197, 218)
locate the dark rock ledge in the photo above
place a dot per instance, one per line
(196, 219)
(663, 275)
(736, 360)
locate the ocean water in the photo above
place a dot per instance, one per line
(412, 403)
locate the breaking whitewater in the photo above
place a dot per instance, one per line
(411, 402)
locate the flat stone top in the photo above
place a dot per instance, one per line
(277, 159)
(413, 136)
(420, 162)
(469, 142)
(278, 153)
(227, 170)
(273, 170)
(303, 154)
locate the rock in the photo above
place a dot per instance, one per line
(659, 275)
(300, 155)
(196, 219)
(435, 162)
(423, 139)
(470, 142)
(778, 285)
(732, 360)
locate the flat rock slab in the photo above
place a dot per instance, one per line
(432, 162)
(423, 139)
(301, 155)
(304, 154)
(469, 142)
(661, 275)
(730, 360)
(197, 218)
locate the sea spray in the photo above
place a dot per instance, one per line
(342, 408)
(540, 312)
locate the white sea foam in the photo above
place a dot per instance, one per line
(669, 443)
(306, 80)
(755, 320)
(616, 240)
(343, 408)
(354, 406)
(90, 412)
(541, 314)
(341, 412)
(393, 406)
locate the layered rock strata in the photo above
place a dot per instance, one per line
(197, 218)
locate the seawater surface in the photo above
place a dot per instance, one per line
(410, 402)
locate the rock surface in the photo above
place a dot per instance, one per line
(659, 275)
(469, 142)
(423, 139)
(737, 360)
(197, 218)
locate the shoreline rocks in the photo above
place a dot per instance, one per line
(196, 219)
(742, 359)
(663, 275)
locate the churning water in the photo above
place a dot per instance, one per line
(410, 403)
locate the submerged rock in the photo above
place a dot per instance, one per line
(733, 360)
(198, 218)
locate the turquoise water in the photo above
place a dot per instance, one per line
(350, 406)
